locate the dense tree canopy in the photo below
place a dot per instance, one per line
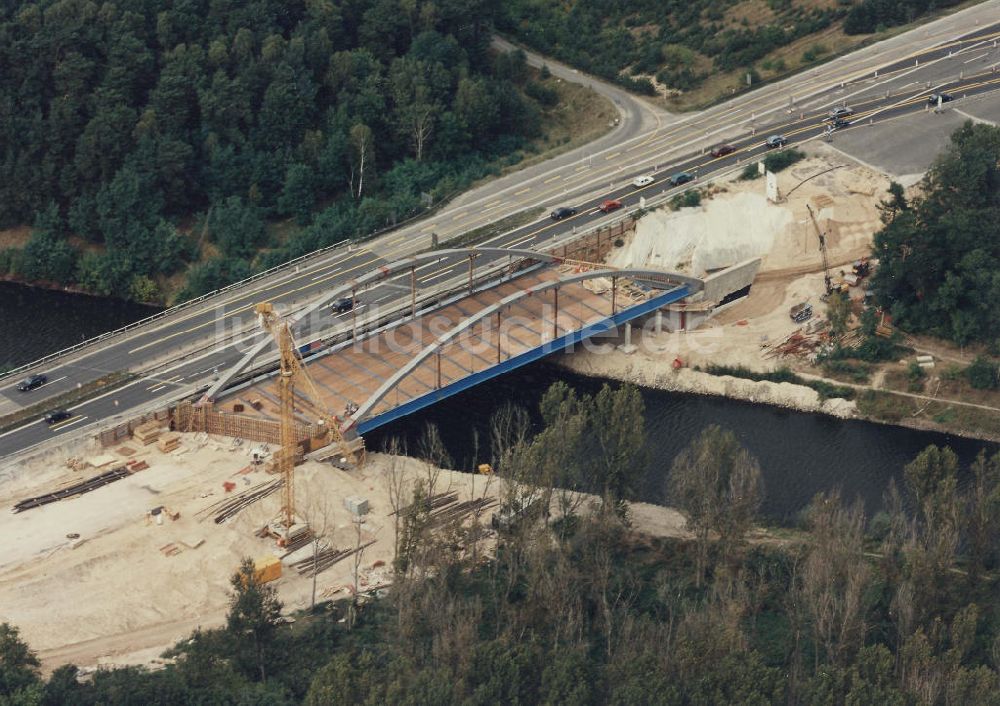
(680, 41)
(876, 15)
(939, 256)
(120, 121)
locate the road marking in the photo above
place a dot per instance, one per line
(581, 168)
(163, 383)
(612, 156)
(492, 203)
(463, 214)
(552, 179)
(68, 422)
(156, 388)
(969, 61)
(432, 226)
(522, 191)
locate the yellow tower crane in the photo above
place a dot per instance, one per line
(293, 370)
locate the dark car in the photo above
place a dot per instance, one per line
(31, 382)
(722, 151)
(841, 112)
(562, 212)
(775, 141)
(342, 305)
(837, 124)
(932, 99)
(610, 205)
(60, 415)
(681, 178)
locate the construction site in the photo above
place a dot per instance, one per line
(163, 507)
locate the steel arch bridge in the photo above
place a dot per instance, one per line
(430, 355)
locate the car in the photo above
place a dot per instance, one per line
(722, 151)
(59, 415)
(681, 178)
(31, 382)
(840, 112)
(775, 141)
(342, 305)
(610, 205)
(932, 99)
(562, 212)
(641, 181)
(837, 124)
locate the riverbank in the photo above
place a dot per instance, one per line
(653, 369)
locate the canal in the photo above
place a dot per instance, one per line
(40, 321)
(799, 454)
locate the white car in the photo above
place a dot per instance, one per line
(644, 180)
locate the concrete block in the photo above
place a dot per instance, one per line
(356, 505)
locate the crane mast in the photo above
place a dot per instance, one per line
(827, 280)
(286, 456)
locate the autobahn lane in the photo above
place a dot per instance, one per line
(814, 89)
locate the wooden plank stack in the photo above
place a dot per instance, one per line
(147, 433)
(169, 442)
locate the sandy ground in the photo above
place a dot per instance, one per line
(738, 223)
(735, 224)
(111, 597)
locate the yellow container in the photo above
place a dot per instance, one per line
(267, 568)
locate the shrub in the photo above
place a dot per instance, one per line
(689, 199)
(983, 374)
(777, 161)
(916, 376)
(856, 371)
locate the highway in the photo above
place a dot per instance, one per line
(663, 146)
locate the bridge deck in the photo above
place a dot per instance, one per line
(351, 374)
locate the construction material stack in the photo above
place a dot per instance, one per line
(168, 442)
(147, 433)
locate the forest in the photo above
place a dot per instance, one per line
(939, 253)
(159, 141)
(681, 43)
(684, 43)
(877, 15)
(579, 606)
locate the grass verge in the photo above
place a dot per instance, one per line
(477, 236)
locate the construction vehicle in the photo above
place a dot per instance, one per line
(827, 280)
(292, 371)
(801, 312)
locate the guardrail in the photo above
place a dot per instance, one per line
(21, 369)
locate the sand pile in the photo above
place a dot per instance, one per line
(728, 229)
